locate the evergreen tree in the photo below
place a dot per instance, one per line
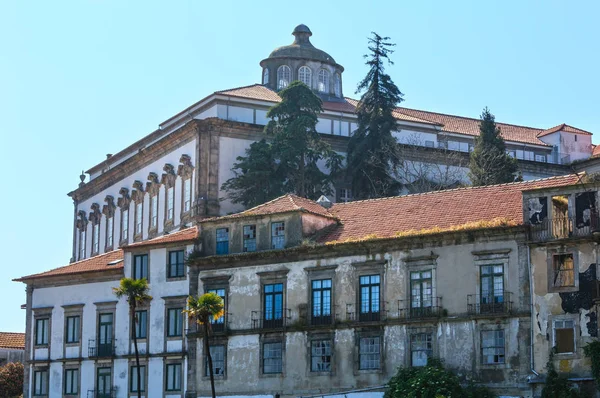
(373, 153)
(290, 162)
(255, 178)
(490, 164)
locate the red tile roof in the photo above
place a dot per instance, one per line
(596, 151)
(387, 217)
(564, 127)
(101, 262)
(12, 340)
(185, 235)
(283, 204)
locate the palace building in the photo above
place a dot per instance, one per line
(327, 296)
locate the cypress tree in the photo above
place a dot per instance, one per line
(489, 163)
(373, 153)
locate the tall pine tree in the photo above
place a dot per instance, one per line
(373, 153)
(490, 164)
(289, 163)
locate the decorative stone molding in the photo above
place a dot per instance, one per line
(153, 184)
(82, 220)
(109, 208)
(124, 201)
(186, 168)
(95, 214)
(169, 177)
(138, 191)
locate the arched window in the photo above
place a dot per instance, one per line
(323, 81)
(284, 75)
(337, 85)
(305, 75)
(266, 76)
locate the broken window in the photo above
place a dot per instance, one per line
(563, 270)
(492, 346)
(564, 336)
(421, 348)
(585, 208)
(538, 210)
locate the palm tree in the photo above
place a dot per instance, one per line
(135, 292)
(202, 309)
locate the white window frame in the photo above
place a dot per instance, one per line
(284, 77)
(323, 85)
(563, 319)
(337, 85)
(305, 75)
(265, 76)
(187, 195)
(170, 203)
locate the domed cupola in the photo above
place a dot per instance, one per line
(303, 61)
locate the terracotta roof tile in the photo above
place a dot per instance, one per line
(442, 209)
(596, 151)
(282, 204)
(110, 260)
(185, 235)
(564, 127)
(12, 340)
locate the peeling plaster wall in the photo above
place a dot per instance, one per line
(457, 336)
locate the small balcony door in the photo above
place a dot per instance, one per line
(105, 333)
(103, 383)
(492, 287)
(273, 307)
(421, 292)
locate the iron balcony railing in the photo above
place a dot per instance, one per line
(564, 228)
(363, 315)
(497, 303)
(272, 319)
(101, 350)
(427, 308)
(111, 393)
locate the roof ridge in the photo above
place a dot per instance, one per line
(241, 87)
(468, 118)
(455, 190)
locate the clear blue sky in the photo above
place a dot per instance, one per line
(80, 79)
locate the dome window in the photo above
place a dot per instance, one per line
(266, 76)
(337, 85)
(284, 75)
(323, 81)
(305, 75)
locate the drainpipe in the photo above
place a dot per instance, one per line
(531, 353)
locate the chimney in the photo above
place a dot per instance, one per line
(323, 201)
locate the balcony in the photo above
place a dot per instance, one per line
(429, 309)
(111, 393)
(102, 350)
(500, 303)
(369, 316)
(564, 228)
(271, 320)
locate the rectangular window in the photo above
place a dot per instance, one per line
(321, 301)
(345, 195)
(187, 195)
(421, 291)
(176, 264)
(273, 305)
(369, 297)
(369, 353)
(492, 284)
(96, 238)
(134, 384)
(492, 347)
(217, 354)
(421, 348)
(140, 266)
(249, 238)
(564, 270)
(173, 376)
(125, 225)
(73, 326)
(139, 207)
(170, 203)
(41, 331)
(222, 240)
(540, 158)
(71, 381)
(272, 358)
(564, 336)
(219, 323)
(175, 322)
(153, 211)
(141, 324)
(82, 242)
(278, 235)
(109, 231)
(320, 356)
(40, 382)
